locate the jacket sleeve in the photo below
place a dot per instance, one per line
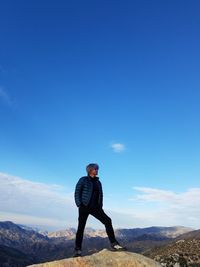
(101, 192)
(78, 192)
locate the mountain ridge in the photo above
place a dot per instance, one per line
(17, 240)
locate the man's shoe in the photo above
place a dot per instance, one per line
(77, 253)
(117, 247)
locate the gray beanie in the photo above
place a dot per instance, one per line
(92, 166)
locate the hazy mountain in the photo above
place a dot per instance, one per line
(168, 232)
(69, 233)
(190, 235)
(40, 231)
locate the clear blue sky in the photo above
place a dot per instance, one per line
(77, 77)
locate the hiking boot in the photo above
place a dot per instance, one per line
(115, 246)
(77, 253)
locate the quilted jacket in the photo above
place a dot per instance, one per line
(83, 191)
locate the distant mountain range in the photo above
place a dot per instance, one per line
(33, 228)
(166, 232)
(21, 245)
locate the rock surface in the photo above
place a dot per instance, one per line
(102, 259)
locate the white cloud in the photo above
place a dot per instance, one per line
(153, 194)
(44, 202)
(52, 206)
(47, 206)
(164, 207)
(117, 147)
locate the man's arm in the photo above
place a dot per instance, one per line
(78, 192)
(101, 192)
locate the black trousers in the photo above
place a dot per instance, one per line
(100, 215)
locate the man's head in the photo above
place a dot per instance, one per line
(92, 169)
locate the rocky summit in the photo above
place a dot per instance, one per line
(102, 259)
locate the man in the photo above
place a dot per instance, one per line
(89, 200)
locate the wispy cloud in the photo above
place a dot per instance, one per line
(154, 194)
(52, 207)
(4, 97)
(118, 147)
(166, 207)
(28, 199)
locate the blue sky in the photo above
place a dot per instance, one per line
(112, 82)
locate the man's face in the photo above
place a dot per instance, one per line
(93, 172)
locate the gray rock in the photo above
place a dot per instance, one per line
(102, 259)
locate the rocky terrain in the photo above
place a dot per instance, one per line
(13, 257)
(27, 245)
(184, 251)
(102, 259)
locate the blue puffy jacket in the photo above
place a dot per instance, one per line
(83, 191)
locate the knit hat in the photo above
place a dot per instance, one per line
(92, 166)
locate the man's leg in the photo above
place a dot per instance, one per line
(82, 218)
(106, 220)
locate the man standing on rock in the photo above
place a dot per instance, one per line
(89, 200)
